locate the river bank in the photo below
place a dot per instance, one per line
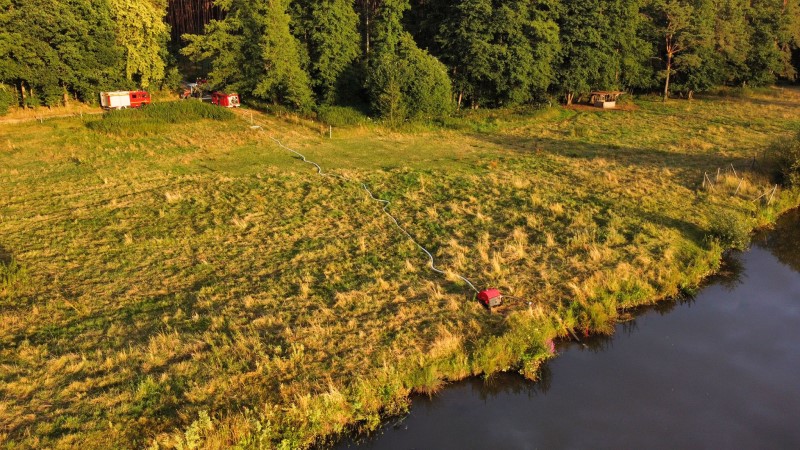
(714, 370)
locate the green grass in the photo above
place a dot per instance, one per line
(190, 283)
(157, 118)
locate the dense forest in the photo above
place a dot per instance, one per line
(399, 58)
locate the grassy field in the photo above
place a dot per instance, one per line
(186, 283)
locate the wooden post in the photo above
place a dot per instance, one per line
(330, 131)
(738, 187)
(734, 171)
(773, 194)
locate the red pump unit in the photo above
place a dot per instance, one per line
(226, 100)
(490, 298)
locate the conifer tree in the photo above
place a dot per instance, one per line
(253, 51)
(329, 31)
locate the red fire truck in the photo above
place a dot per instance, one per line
(227, 100)
(124, 99)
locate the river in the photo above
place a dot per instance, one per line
(720, 370)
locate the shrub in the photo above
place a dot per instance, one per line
(408, 84)
(788, 158)
(341, 116)
(428, 88)
(730, 229)
(7, 99)
(173, 79)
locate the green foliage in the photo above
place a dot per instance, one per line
(280, 78)
(497, 53)
(730, 229)
(7, 98)
(787, 153)
(154, 118)
(51, 50)
(775, 27)
(173, 79)
(405, 81)
(501, 53)
(253, 52)
(599, 54)
(674, 26)
(142, 33)
(329, 30)
(341, 116)
(427, 86)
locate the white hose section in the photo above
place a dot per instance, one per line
(385, 204)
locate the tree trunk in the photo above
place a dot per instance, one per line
(691, 94)
(366, 34)
(669, 71)
(460, 98)
(22, 91)
(569, 97)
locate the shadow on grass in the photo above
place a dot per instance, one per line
(5, 256)
(646, 158)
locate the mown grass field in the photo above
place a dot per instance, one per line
(188, 283)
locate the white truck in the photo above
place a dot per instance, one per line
(124, 99)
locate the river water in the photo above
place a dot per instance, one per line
(721, 370)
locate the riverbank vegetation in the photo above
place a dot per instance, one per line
(787, 155)
(198, 286)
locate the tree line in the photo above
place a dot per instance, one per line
(52, 51)
(401, 58)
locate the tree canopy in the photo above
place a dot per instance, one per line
(402, 58)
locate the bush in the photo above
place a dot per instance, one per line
(153, 117)
(409, 84)
(7, 99)
(731, 230)
(341, 116)
(428, 88)
(173, 80)
(788, 158)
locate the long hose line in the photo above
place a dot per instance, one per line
(385, 207)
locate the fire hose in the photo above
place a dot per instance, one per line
(385, 207)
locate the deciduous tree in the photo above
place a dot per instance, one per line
(143, 34)
(673, 25)
(403, 80)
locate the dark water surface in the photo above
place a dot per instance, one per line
(721, 371)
